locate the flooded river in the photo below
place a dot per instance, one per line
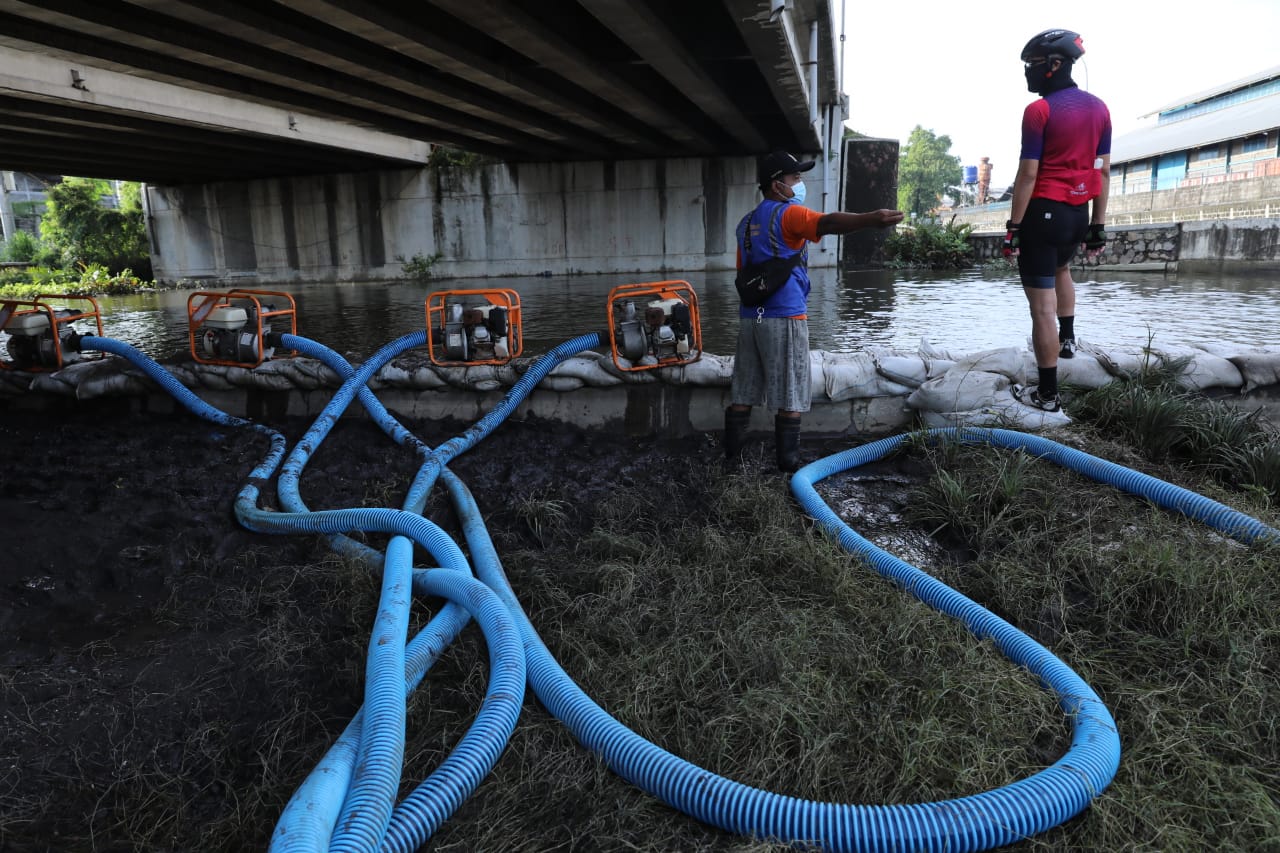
(962, 313)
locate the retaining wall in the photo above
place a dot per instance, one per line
(1170, 246)
(1255, 197)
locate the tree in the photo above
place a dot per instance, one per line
(925, 170)
(80, 230)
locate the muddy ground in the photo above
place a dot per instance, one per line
(149, 638)
(103, 506)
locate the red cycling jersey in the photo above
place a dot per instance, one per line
(1067, 131)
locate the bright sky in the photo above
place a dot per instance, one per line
(953, 67)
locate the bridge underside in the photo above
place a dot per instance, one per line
(180, 91)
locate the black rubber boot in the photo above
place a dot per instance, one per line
(735, 432)
(786, 434)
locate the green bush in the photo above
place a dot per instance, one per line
(77, 230)
(930, 246)
(419, 267)
(20, 246)
(89, 280)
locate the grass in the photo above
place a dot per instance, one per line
(1166, 422)
(1174, 626)
(704, 611)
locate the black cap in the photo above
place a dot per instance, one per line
(771, 166)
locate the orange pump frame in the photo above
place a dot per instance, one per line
(437, 304)
(208, 300)
(11, 308)
(674, 289)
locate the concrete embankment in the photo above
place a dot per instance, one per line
(860, 394)
(1247, 244)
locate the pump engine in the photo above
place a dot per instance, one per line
(656, 331)
(236, 328)
(475, 334)
(44, 338)
(473, 326)
(229, 333)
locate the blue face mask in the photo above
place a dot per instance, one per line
(798, 189)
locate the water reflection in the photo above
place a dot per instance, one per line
(855, 311)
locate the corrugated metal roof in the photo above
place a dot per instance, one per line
(1232, 122)
(1243, 82)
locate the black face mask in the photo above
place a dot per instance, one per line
(1038, 82)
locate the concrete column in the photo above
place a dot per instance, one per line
(870, 183)
(7, 185)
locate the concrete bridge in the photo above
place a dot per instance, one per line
(294, 140)
(168, 92)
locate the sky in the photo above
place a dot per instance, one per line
(954, 68)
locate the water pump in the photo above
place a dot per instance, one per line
(41, 337)
(233, 328)
(474, 327)
(654, 325)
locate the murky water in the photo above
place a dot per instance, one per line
(963, 313)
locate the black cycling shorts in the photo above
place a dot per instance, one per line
(1051, 233)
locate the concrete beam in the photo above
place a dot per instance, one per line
(44, 78)
(465, 59)
(542, 43)
(779, 44)
(660, 46)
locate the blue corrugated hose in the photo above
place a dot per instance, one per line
(340, 809)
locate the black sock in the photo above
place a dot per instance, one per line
(1048, 382)
(1066, 328)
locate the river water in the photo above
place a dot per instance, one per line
(959, 312)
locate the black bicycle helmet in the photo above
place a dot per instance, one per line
(1055, 44)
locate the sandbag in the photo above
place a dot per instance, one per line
(1207, 370)
(1083, 371)
(64, 382)
(113, 384)
(211, 376)
(928, 350)
(560, 383)
(304, 374)
(417, 378)
(959, 390)
(710, 371)
(244, 377)
(1258, 369)
(1007, 414)
(1122, 362)
(14, 383)
(482, 377)
(911, 371)
(1006, 361)
(586, 370)
(477, 377)
(849, 376)
(623, 369)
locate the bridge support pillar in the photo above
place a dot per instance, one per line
(870, 183)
